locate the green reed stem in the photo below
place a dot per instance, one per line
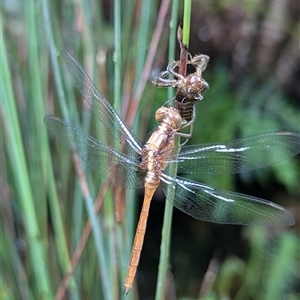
(167, 222)
(186, 22)
(17, 160)
(117, 55)
(60, 238)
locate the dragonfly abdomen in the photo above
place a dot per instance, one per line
(139, 238)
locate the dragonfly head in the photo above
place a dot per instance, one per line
(169, 116)
(195, 86)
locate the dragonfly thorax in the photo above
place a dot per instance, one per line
(161, 140)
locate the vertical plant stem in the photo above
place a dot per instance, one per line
(172, 40)
(186, 22)
(109, 207)
(54, 62)
(20, 173)
(61, 242)
(142, 42)
(98, 238)
(166, 231)
(151, 53)
(117, 55)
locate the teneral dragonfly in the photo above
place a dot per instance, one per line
(140, 166)
(189, 88)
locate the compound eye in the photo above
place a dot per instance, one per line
(196, 85)
(176, 120)
(194, 81)
(160, 114)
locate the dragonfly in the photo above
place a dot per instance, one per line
(189, 88)
(146, 166)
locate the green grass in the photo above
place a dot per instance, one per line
(45, 208)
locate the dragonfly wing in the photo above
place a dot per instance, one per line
(209, 204)
(240, 155)
(116, 167)
(100, 106)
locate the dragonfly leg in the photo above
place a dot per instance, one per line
(200, 62)
(170, 69)
(164, 82)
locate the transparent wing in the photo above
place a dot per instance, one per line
(240, 155)
(100, 106)
(116, 167)
(208, 204)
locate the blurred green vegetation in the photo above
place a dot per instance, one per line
(43, 208)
